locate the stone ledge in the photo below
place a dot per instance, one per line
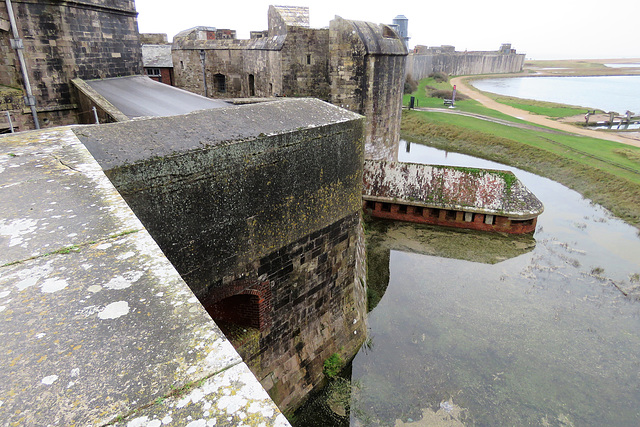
(98, 326)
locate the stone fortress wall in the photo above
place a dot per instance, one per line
(355, 65)
(424, 61)
(85, 39)
(260, 215)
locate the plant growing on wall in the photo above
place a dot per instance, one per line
(332, 365)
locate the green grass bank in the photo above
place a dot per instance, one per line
(606, 172)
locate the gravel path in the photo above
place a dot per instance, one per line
(471, 92)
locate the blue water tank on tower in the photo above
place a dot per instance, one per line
(402, 24)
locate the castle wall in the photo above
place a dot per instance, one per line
(356, 65)
(235, 60)
(241, 197)
(383, 105)
(305, 60)
(367, 76)
(420, 65)
(65, 40)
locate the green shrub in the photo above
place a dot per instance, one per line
(333, 365)
(410, 85)
(439, 76)
(446, 94)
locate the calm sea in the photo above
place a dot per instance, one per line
(607, 93)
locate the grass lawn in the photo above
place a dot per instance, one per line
(548, 109)
(542, 108)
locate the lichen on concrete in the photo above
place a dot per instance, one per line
(448, 187)
(97, 324)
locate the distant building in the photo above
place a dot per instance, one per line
(424, 60)
(156, 58)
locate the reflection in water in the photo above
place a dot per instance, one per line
(475, 335)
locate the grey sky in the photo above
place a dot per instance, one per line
(543, 29)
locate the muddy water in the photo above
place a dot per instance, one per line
(476, 329)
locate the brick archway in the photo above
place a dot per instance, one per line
(243, 304)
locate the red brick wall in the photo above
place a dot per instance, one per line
(242, 303)
(166, 76)
(446, 218)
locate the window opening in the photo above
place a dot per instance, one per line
(252, 85)
(220, 82)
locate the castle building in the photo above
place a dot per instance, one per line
(156, 57)
(353, 64)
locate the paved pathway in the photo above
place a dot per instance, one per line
(468, 90)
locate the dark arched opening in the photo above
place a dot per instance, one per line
(252, 85)
(220, 82)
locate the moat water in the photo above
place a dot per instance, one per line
(480, 329)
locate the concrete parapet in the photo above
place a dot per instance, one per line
(258, 207)
(448, 187)
(98, 326)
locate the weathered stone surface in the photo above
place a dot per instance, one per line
(156, 55)
(258, 207)
(281, 17)
(96, 322)
(65, 40)
(448, 187)
(367, 76)
(424, 61)
(113, 145)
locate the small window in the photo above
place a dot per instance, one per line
(402, 209)
(371, 204)
(418, 211)
(386, 207)
(450, 216)
(308, 59)
(181, 65)
(153, 72)
(220, 82)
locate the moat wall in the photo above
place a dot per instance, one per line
(257, 206)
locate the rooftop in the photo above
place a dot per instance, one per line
(139, 96)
